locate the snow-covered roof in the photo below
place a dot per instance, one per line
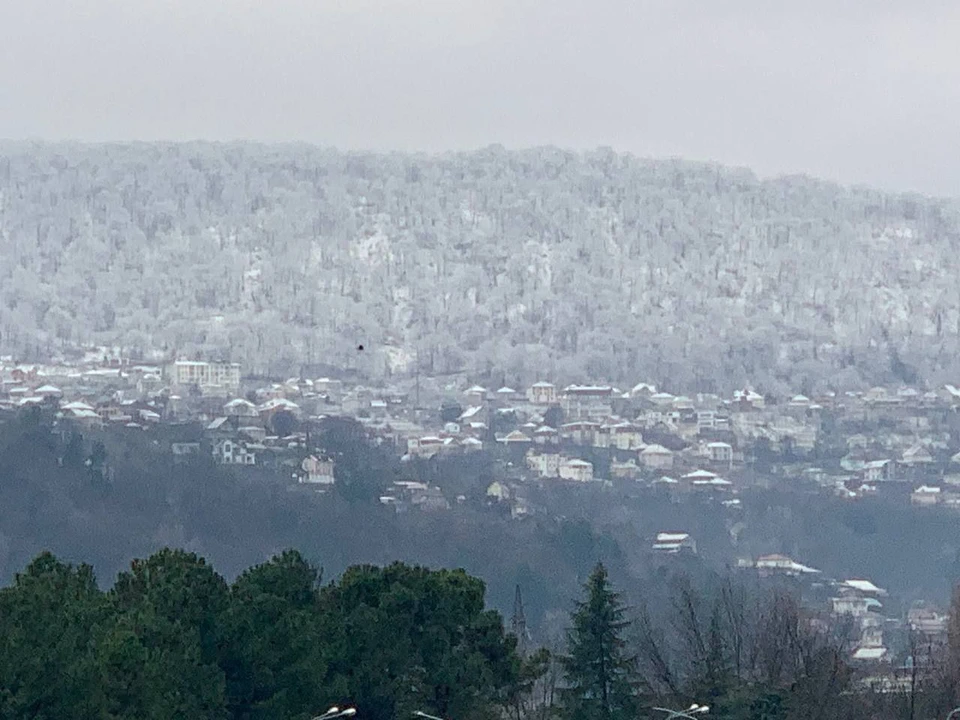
(655, 449)
(281, 403)
(700, 475)
(870, 653)
(516, 436)
(239, 402)
(470, 412)
(782, 562)
(864, 586)
(672, 537)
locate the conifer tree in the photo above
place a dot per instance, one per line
(602, 680)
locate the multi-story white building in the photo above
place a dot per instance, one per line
(205, 375)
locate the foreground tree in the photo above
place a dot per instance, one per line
(48, 619)
(408, 638)
(601, 675)
(160, 658)
(276, 662)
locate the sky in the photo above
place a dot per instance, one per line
(859, 91)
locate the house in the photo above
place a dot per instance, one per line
(471, 444)
(183, 450)
(239, 407)
(475, 396)
(625, 436)
(864, 587)
(876, 470)
(675, 543)
(720, 453)
(271, 407)
(656, 457)
(747, 400)
(576, 470)
(515, 438)
(317, 471)
(587, 401)
(642, 390)
(542, 393)
(854, 606)
(431, 500)
(48, 392)
(581, 432)
(628, 470)
(546, 435)
(426, 446)
(925, 495)
(916, 455)
(927, 621)
(782, 565)
(506, 395)
(545, 465)
(498, 491)
(706, 420)
(870, 655)
(230, 452)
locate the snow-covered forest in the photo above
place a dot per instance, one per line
(577, 266)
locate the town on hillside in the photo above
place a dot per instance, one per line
(902, 443)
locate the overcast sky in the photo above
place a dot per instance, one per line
(852, 90)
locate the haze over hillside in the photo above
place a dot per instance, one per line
(517, 263)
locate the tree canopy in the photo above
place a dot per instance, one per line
(171, 639)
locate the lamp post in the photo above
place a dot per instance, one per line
(690, 713)
(336, 712)
(419, 714)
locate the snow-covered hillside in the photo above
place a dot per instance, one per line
(596, 265)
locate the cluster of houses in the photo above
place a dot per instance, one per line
(853, 445)
(886, 644)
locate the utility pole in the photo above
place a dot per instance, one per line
(416, 406)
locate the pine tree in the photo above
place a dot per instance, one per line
(602, 680)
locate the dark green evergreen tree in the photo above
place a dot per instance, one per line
(48, 620)
(276, 650)
(602, 679)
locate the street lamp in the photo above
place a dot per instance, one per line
(336, 712)
(690, 713)
(424, 715)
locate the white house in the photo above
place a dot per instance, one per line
(576, 470)
(674, 543)
(544, 464)
(542, 393)
(230, 452)
(926, 495)
(240, 407)
(916, 455)
(720, 452)
(316, 471)
(656, 457)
